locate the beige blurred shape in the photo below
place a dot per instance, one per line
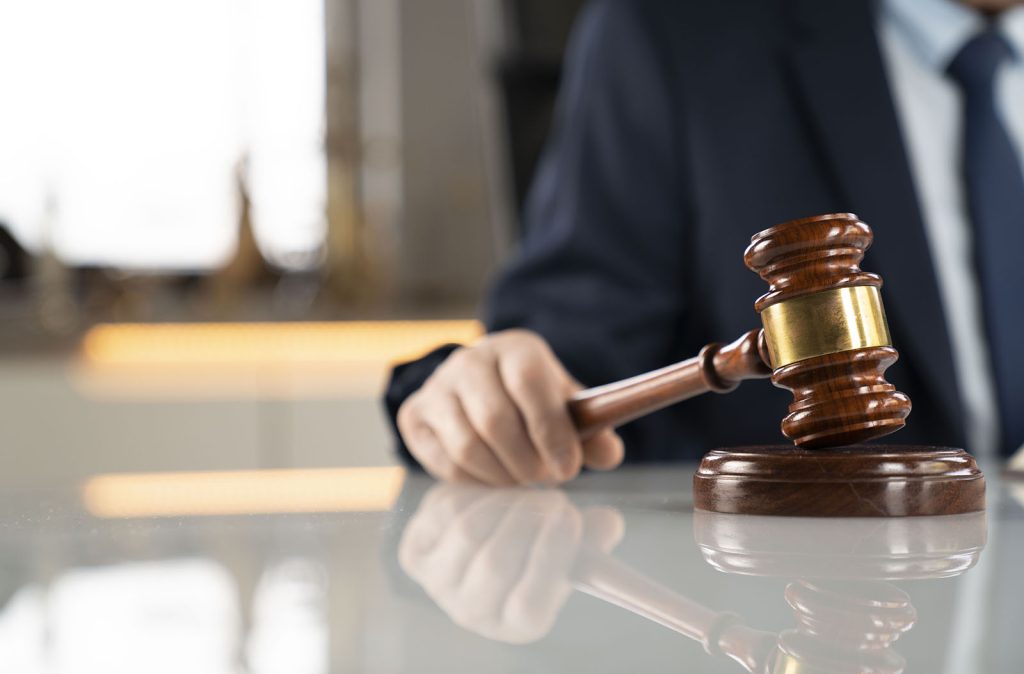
(252, 360)
(251, 492)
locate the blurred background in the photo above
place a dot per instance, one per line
(222, 220)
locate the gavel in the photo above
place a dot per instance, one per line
(824, 337)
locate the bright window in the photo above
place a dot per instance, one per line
(123, 123)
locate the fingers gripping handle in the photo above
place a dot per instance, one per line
(716, 368)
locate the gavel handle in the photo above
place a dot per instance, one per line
(716, 368)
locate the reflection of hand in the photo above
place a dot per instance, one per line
(498, 562)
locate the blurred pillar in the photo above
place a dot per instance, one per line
(380, 136)
(410, 207)
(348, 269)
(447, 247)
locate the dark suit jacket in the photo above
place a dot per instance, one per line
(683, 128)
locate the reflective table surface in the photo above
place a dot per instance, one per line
(372, 570)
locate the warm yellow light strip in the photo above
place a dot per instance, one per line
(270, 344)
(243, 492)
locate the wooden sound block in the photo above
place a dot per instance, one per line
(855, 481)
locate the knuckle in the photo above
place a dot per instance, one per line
(458, 355)
(417, 442)
(524, 337)
(508, 334)
(548, 429)
(408, 414)
(462, 451)
(477, 353)
(532, 369)
(520, 341)
(457, 361)
(539, 348)
(521, 375)
(429, 392)
(492, 421)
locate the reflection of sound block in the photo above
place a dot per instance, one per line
(856, 481)
(854, 548)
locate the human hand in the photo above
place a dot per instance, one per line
(498, 563)
(495, 413)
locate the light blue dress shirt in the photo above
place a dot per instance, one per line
(918, 39)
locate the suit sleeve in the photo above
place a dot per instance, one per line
(598, 270)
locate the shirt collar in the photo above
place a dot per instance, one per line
(937, 29)
(1012, 25)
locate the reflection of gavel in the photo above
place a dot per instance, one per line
(848, 616)
(721, 633)
(824, 338)
(841, 628)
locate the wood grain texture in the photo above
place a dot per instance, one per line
(842, 398)
(809, 255)
(857, 481)
(839, 398)
(717, 368)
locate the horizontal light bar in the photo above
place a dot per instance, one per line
(270, 343)
(210, 361)
(250, 492)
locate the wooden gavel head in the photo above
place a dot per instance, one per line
(825, 333)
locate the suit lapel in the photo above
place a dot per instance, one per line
(840, 75)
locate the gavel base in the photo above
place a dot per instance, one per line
(856, 481)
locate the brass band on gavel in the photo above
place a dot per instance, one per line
(829, 321)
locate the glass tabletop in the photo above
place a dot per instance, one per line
(304, 571)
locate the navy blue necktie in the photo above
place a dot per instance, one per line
(995, 198)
